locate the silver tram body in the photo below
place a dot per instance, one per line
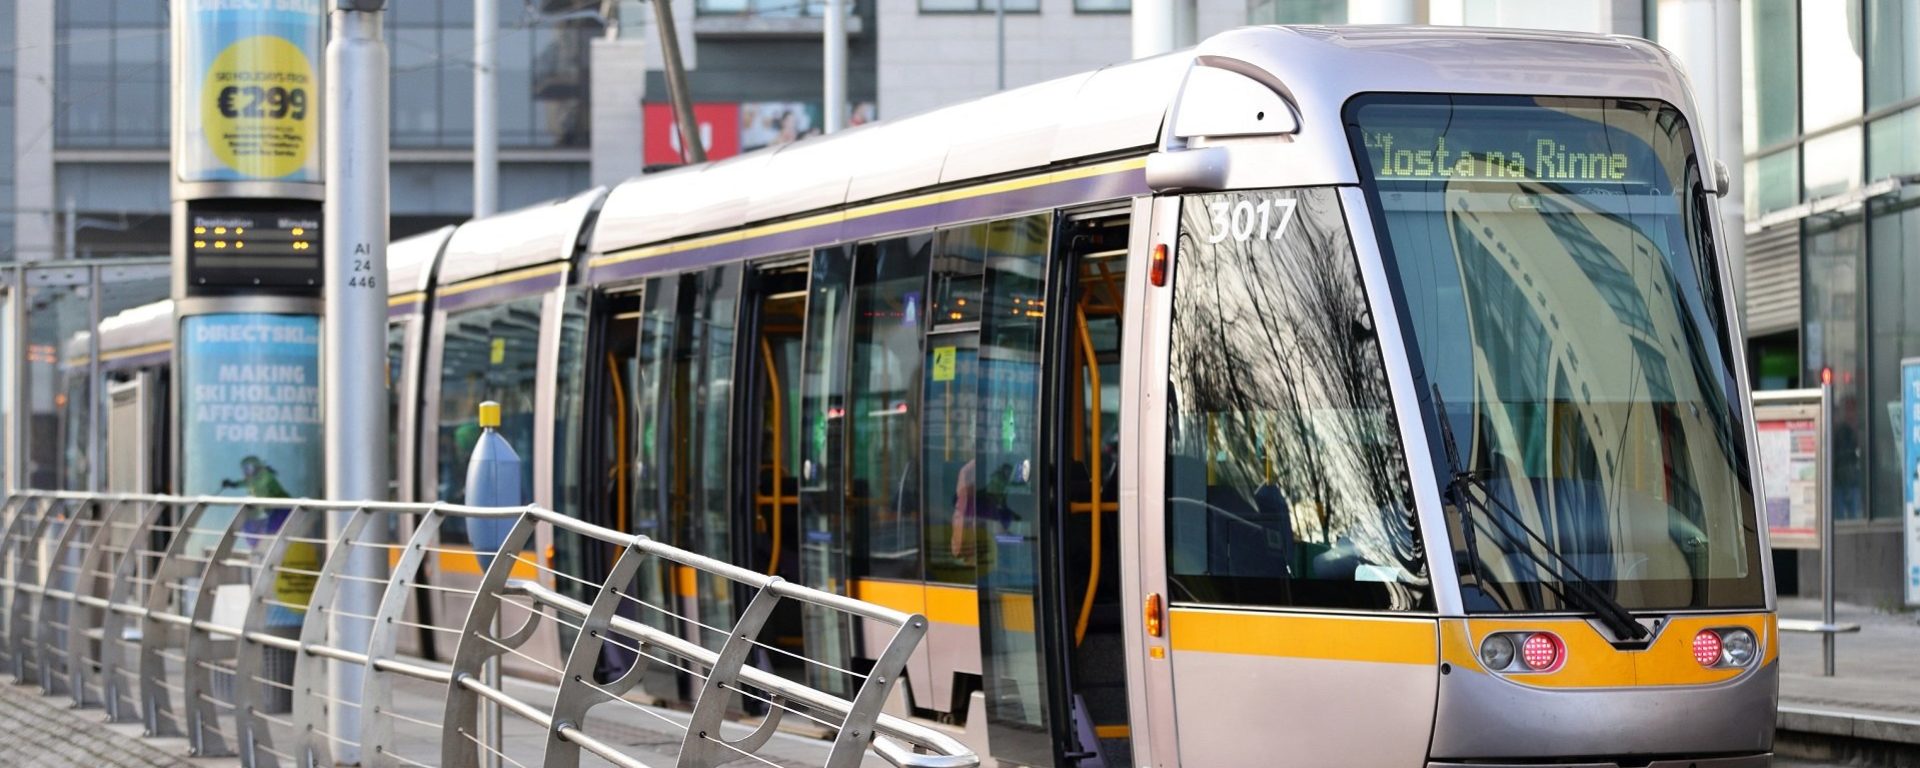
(1141, 537)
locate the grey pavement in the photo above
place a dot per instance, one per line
(1877, 671)
(41, 732)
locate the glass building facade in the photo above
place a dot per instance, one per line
(1831, 134)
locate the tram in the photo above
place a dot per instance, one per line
(1315, 396)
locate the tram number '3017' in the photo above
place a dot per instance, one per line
(1245, 220)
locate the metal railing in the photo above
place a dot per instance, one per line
(183, 613)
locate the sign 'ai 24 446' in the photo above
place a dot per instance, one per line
(1396, 158)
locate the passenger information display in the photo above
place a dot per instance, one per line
(1412, 156)
(250, 244)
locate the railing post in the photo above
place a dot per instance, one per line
(700, 748)
(156, 699)
(121, 700)
(15, 548)
(253, 731)
(574, 697)
(479, 642)
(34, 636)
(310, 671)
(376, 695)
(57, 612)
(203, 717)
(850, 744)
(79, 651)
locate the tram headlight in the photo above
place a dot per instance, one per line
(1496, 652)
(1738, 648)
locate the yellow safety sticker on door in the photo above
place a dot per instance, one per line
(943, 359)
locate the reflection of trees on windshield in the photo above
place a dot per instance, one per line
(1285, 458)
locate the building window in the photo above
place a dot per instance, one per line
(1102, 6)
(542, 73)
(1773, 182)
(1771, 76)
(111, 75)
(768, 9)
(1830, 55)
(1297, 12)
(979, 6)
(1893, 52)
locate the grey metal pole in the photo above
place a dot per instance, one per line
(1000, 44)
(96, 415)
(354, 338)
(1826, 521)
(71, 228)
(486, 111)
(835, 64)
(690, 147)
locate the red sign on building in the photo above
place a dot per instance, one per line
(719, 132)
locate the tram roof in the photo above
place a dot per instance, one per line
(537, 234)
(1121, 109)
(410, 260)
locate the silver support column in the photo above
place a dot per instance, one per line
(354, 337)
(486, 111)
(691, 150)
(835, 64)
(999, 45)
(1826, 521)
(96, 388)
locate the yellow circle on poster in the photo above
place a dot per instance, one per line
(258, 108)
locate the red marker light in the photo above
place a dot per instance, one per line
(1706, 648)
(1541, 652)
(1157, 269)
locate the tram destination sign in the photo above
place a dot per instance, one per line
(251, 245)
(1423, 156)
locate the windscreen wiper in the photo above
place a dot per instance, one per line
(1579, 590)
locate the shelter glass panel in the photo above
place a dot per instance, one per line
(54, 380)
(890, 289)
(1286, 483)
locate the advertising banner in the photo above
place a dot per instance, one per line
(1910, 473)
(250, 426)
(248, 101)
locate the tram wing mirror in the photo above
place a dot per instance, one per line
(1722, 180)
(1199, 169)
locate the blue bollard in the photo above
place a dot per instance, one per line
(493, 480)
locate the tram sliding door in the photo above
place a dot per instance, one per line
(1041, 497)
(769, 432)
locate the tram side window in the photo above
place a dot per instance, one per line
(1286, 482)
(889, 314)
(490, 353)
(396, 368)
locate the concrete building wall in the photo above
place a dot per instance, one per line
(931, 59)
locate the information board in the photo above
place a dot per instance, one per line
(249, 101)
(1910, 472)
(1788, 427)
(252, 245)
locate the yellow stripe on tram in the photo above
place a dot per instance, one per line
(1331, 638)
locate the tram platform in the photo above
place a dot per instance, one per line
(43, 732)
(1868, 713)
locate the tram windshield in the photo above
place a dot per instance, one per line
(1562, 300)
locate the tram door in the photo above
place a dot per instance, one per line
(1044, 501)
(769, 430)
